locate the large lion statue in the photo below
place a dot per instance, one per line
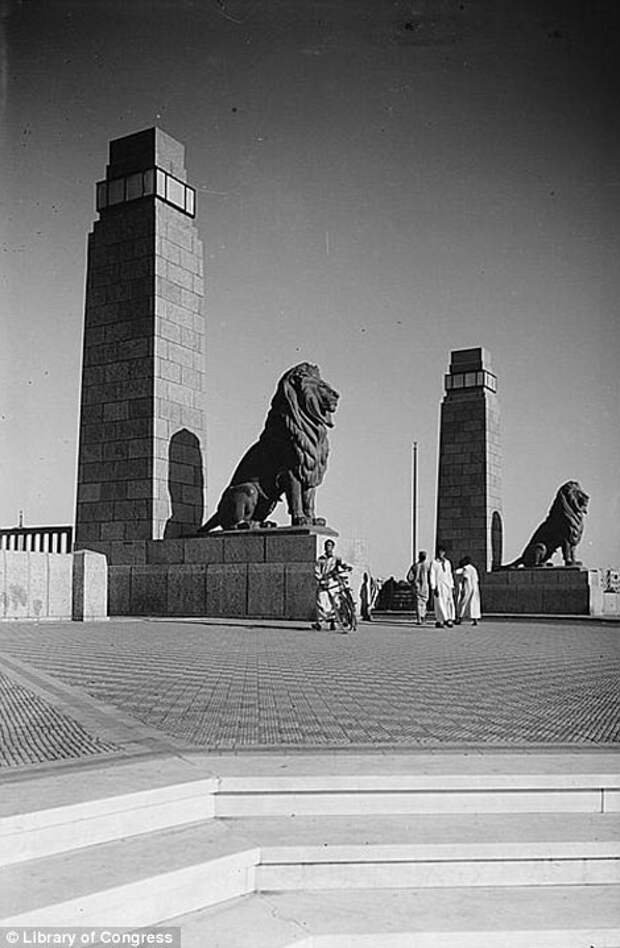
(562, 529)
(290, 457)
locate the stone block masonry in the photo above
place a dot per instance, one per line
(546, 590)
(469, 500)
(53, 585)
(142, 423)
(245, 574)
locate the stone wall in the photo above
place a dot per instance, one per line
(116, 423)
(257, 574)
(544, 591)
(179, 375)
(53, 585)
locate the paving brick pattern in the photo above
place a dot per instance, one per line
(235, 687)
(33, 731)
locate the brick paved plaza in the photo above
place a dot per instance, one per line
(73, 690)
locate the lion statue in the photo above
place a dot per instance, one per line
(290, 456)
(562, 529)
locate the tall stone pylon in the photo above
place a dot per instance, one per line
(469, 493)
(142, 421)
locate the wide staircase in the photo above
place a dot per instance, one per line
(323, 851)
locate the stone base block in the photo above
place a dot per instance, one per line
(119, 590)
(267, 574)
(120, 552)
(227, 590)
(60, 585)
(90, 586)
(186, 586)
(148, 590)
(544, 591)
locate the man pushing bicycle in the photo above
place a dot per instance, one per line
(327, 571)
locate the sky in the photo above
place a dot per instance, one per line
(378, 183)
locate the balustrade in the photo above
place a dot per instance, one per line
(37, 539)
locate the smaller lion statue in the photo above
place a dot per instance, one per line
(562, 529)
(290, 456)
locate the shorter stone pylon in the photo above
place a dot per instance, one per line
(469, 492)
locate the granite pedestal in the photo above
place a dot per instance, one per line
(547, 590)
(230, 574)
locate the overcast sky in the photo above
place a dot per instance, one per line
(378, 183)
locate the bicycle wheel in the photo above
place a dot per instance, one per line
(353, 613)
(347, 612)
(336, 601)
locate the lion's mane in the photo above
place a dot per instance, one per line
(566, 515)
(295, 417)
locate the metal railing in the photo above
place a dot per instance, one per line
(37, 539)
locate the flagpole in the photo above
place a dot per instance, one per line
(414, 501)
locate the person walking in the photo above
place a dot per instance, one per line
(442, 584)
(375, 589)
(418, 577)
(468, 600)
(325, 571)
(366, 597)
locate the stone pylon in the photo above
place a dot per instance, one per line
(142, 422)
(469, 494)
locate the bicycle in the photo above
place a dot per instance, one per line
(343, 602)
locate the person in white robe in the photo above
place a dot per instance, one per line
(328, 588)
(442, 584)
(468, 599)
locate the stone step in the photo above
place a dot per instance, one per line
(68, 811)
(145, 879)
(58, 813)
(444, 783)
(136, 881)
(482, 917)
(434, 850)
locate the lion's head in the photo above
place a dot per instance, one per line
(304, 404)
(568, 510)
